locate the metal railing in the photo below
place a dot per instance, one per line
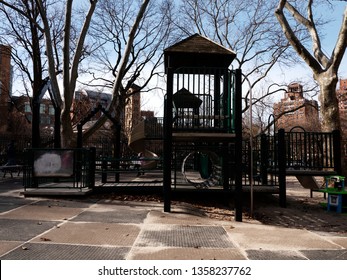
(311, 150)
(115, 170)
(59, 168)
(203, 99)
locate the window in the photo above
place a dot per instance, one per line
(42, 108)
(27, 107)
(51, 110)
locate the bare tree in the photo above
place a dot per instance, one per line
(247, 27)
(324, 67)
(132, 40)
(71, 62)
(46, 20)
(28, 55)
(137, 37)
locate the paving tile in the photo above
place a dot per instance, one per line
(82, 203)
(181, 217)
(264, 237)
(342, 241)
(6, 246)
(40, 251)
(92, 234)
(43, 213)
(325, 254)
(112, 216)
(23, 230)
(8, 203)
(157, 253)
(274, 255)
(184, 236)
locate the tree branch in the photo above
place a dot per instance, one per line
(294, 40)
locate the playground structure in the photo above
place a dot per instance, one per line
(200, 141)
(202, 116)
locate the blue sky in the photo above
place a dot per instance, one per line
(332, 31)
(301, 72)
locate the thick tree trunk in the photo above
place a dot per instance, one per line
(330, 107)
(67, 134)
(328, 101)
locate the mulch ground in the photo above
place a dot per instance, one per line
(302, 211)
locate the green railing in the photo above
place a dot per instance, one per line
(203, 99)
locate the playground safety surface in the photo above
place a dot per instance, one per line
(100, 228)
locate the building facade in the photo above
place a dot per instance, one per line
(296, 111)
(341, 94)
(5, 86)
(16, 111)
(132, 110)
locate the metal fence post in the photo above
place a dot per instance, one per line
(103, 170)
(238, 146)
(264, 158)
(281, 148)
(92, 158)
(337, 152)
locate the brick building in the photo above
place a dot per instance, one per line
(16, 112)
(21, 115)
(5, 86)
(294, 110)
(341, 94)
(132, 110)
(86, 100)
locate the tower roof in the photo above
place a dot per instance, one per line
(197, 51)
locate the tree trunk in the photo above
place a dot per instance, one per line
(328, 100)
(330, 107)
(67, 134)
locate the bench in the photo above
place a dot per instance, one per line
(10, 169)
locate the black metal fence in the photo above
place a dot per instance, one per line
(203, 99)
(313, 150)
(309, 151)
(59, 168)
(265, 157)
(154, 128)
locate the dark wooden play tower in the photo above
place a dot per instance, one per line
(202, 116)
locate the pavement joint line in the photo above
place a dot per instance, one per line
(236, 244)
(141, 226)
(19, 207)
(326, 238)
(300, 253)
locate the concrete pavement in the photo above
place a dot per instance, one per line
(103, 229)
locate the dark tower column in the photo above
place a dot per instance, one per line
(168, 141)
(238, 146)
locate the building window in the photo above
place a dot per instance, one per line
(51, 110)
(42, 108)
(27, 107)
(45, 120)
